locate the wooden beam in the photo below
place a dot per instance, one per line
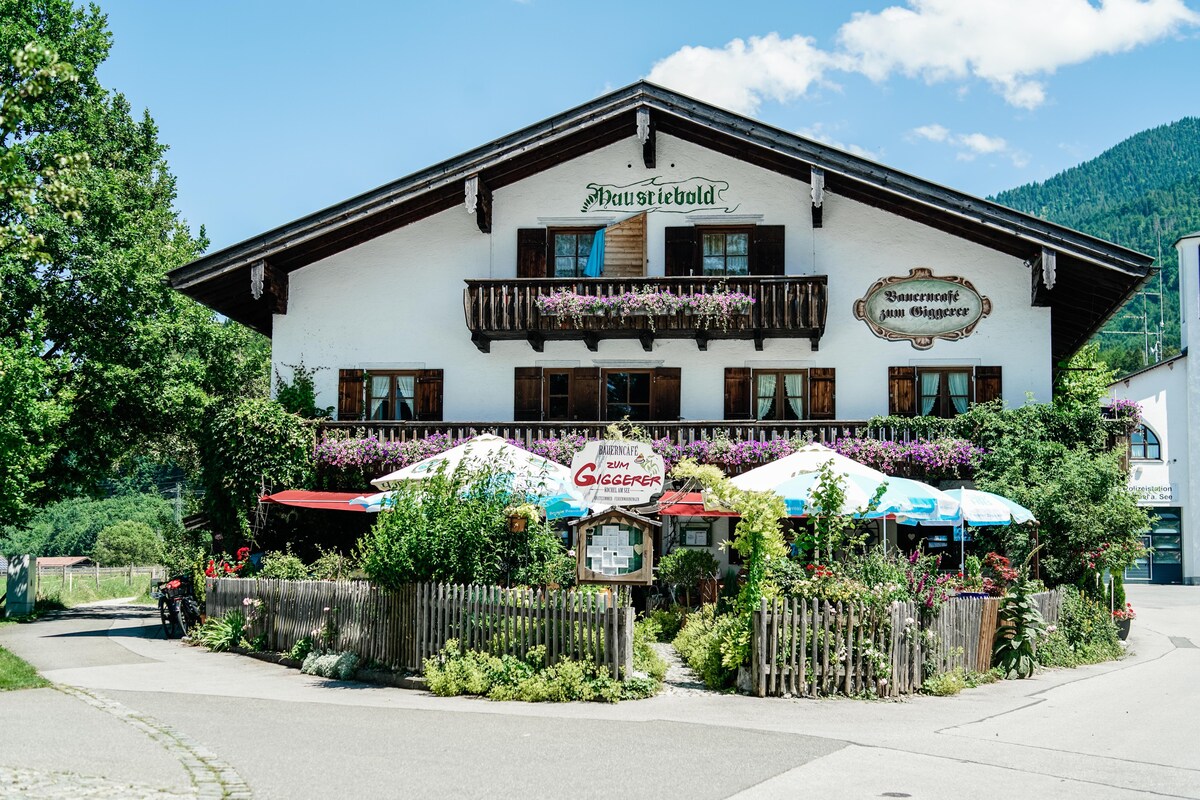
(482, 342)
(758, 340)
(592, 340)
(817, 191)
(270, 284)
(701, 340)
(647, 340)
(477, 198)
(646, 135)
(537, 341)
(1042, 277)
(815, 341)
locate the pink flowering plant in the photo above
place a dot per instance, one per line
(1126, 413)
(709, 308)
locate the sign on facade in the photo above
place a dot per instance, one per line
(1154, 494)
(617, 473)
(615, 546)
(652, 194)
(920, 308)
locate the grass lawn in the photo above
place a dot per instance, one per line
(83, 589)
(16, 674)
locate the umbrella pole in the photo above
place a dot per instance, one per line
(962, 547)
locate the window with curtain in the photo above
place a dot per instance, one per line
(569, 250)
(392, 395)
(725, 252)
(627, 394)
(943, 392)
(1144, 445)
(780, 394)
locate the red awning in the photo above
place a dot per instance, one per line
(330, 501)
(689, 504)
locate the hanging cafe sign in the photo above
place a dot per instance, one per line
(921, 308)
(679, 197)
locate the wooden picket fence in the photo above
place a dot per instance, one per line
(812, 648)
(402, 628)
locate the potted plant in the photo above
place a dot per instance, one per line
(971, 578)
(519, 516)
(1124, 618)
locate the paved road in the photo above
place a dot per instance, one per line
(136, 716)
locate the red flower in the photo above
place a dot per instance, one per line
(243, 553)
(228, 569)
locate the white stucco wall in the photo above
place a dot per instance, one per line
(396, 301)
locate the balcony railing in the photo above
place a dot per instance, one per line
(786, 306)
(681, 432)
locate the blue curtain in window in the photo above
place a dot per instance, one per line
(930, 384)
(595, 262)
(958, 391)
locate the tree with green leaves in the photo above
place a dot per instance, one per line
(127, 364)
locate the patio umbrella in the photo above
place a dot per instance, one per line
(986, 508)
(808, 458)
(517, 471)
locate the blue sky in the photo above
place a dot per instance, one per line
(276, 109)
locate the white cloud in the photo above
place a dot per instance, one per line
(742, 74)
(968, 146)
(1008, 43)
(819, 133)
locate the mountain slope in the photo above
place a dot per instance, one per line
(1143, 193)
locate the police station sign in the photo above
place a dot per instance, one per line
(617, 473)
(920, 308)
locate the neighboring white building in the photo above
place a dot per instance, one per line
(1165, 455)
(875, 291)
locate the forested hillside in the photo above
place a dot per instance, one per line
(1143, 193)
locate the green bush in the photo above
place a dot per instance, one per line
(710, 644)
(645, 659)
(222, 633)
(128, 542)
(330, 664)
(331, 566)
(1085, 634)
(684, 568)
(250, 445)
(506, 677)
(452, 527)
(71, 527)
(301, 649)
(953, 682)
(663, 624)
(283, 566)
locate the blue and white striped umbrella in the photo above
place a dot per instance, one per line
(986, 508)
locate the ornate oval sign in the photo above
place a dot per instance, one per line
(921, 308)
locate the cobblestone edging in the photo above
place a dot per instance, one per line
(211, 777)
(30, 783)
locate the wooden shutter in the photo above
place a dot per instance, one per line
(531, 253)
(902, 391)
(664, 394)
(429, 395)
(679, 260)
(527, 394)
(821, 393)
(625, 248)
(766, 250)
(350, 394)
(585, 394)
(988, 384)
(737, 393)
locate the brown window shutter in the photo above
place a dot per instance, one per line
(350, 394)
(531, 253)
(902, 391)
(527, 394)
(585, 394)
(429, 395)
(766, 250)
(822, 393)
(988, 384)
(679, 260)
(737, 393)
(664, 394)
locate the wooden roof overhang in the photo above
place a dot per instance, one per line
(1087, 280)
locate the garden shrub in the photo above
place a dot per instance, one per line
(222, 633)
(330, 664)
(128, 542)
(663, 624)
(452, 528)
(248, 446)
(953, 682)
(283, 566)
(301, 649)
(331, 566)
(645, 659)
(453, 672)
(709, 643)
(684, 568)
(1085, 634)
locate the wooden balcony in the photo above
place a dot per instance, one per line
(679, 432)
(785, 306)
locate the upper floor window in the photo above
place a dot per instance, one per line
(570, 248)
(725, 252)
(627, 394)
(1144, 445)
(780, 395)
(392, 395)
(943, 392)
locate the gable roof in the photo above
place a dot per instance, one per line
(1094, 277)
